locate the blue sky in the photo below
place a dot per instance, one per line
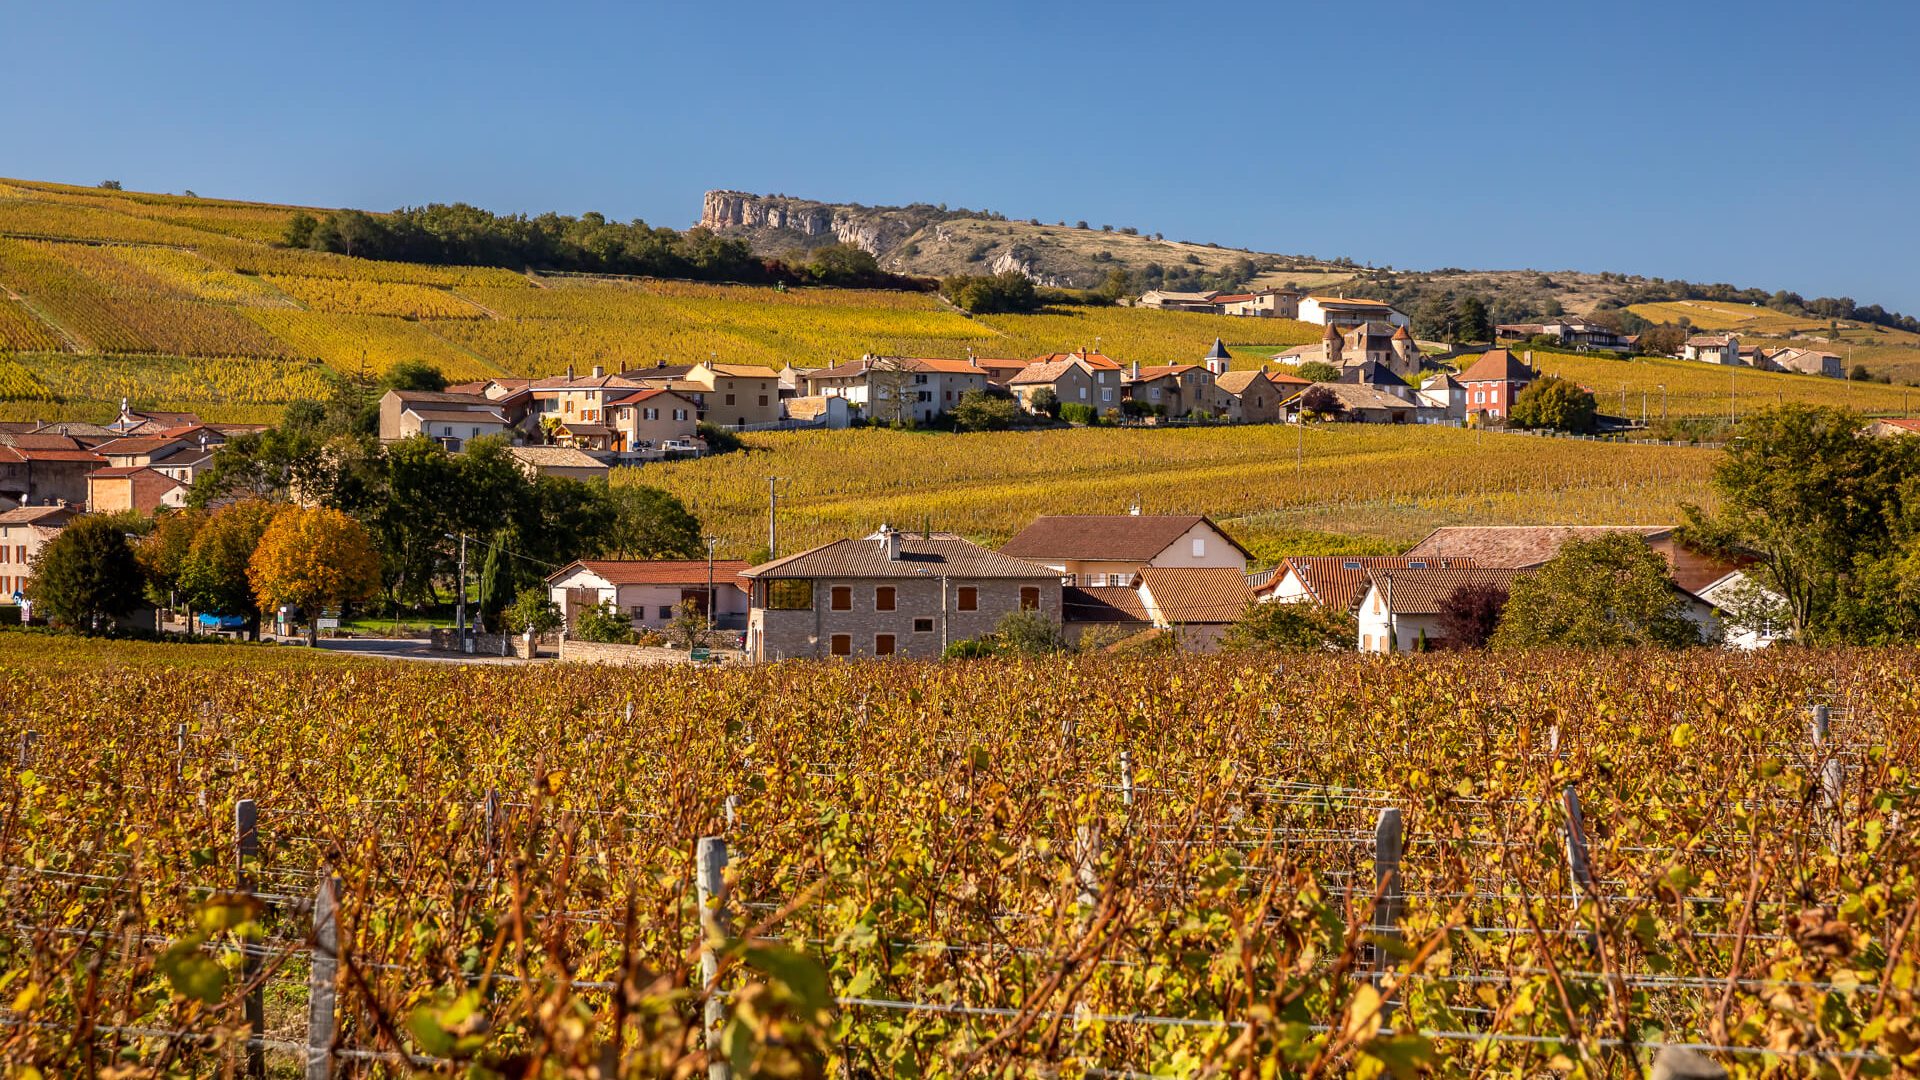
(1765, 144)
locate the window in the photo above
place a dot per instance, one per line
(1479, 396)
(967, 598)
(923, 626)
(1029, 598)
(652, 414)
(1096, 581)
(638, 612)
(1199, 547)
(919, 380)
(842, 598)
(883, 598)
(1106, 393)
(1083, 393)
(840, 645)
(883, 644)
(729, 399)
(763, 399)
(790, 594)
(1417, 564)
(679, 414)
(476, 433)
(1366, 642)
(1376, 603)
(666, 611)
(924, 396)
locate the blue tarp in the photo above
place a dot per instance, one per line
(223, 622)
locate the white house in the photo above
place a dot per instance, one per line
(1401, 608)
(652, 591)
(1340, 311)
(1723, 349)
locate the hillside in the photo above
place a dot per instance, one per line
(186, 303)
(932, 241)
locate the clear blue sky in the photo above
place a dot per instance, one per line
(1765, 143)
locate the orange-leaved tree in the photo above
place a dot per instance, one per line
(313, 558)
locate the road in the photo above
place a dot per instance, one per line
(408, 649)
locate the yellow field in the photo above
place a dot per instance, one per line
(1694, 389)
(1713, 315)
(93, 272)
(1384, 486)
(218, 381)
(19, 384)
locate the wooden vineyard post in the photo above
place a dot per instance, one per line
(246, 852)
(1389, 895)
(1579, 866)
(1832, 773)
(1086, 863)
(1126, 779)
(710, 867)
(29, 740)
(490, 812)
(180, 752)
(321, 974)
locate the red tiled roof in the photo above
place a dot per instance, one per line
(1132, 538)
(1497, 365)
(1101, 604)
(1422, 592)
(1338, 581)
(1187, 595)
(27, 454)
(657, 571)
(1517, 545)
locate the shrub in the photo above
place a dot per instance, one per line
(1028, 633)
(1470, 614)
(1555, 404)
(1318, 371)
(1275, 625)
(1044, 401)
(605, 624)
(1076, 413)
(532, 610)
(982, 410)
(970, 649)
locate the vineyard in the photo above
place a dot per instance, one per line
(106, 273)
(222, 858)
(1281, 490)
(1660, 386)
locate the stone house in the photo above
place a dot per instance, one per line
(1389, 346)
(453, 420)
(564, 462)
(1358, 404)
(143, 490)
(889, 594)
(737, 395)
(1073, 380)
(1176, 390)
(899, 389)
(1494, 381)
(31, 476)
(1260, 304)
(1340, 311)
(571, 399)
(646, 419)
(1808, 362)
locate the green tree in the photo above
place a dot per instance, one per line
(1472, 321)
(1823, 509)
(1276, 625)
(496, 581)
(416, 375)
(1663, 340)
(1028, 633)
(214, 577)
(1556, 404)
(1612, 591)
(652, 523)
(1044, 402)
(163, 551)
(1008, 291)
(1318, 371)
(603, 623)
(533, 610)
(979, 410)
(87, 576)
(844, 264)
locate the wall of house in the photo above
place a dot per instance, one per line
(636, 428)
(773, 635)
(733, 400)
(646, 603)
(1377, 633)
(19, 546)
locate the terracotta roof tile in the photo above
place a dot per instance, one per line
(1188, 595)
(1422, 592)
(657, 571)
(1102, 604)
(941, 554)
(1516, 545)
(1131, 538)
(1339, 581)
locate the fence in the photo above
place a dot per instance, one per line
(1392, 868)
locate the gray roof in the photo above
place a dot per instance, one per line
(1219, 351)
(921, 555)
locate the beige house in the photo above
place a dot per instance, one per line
(1723, 349)
(453, 420)
(899, 389)
(1358, 404)
(24, 530)
(1096, 550)
(1253, 395)
(1260, 304)
(1340, 311)
(645, 421)
(137, 488)
(1073, 379)
(1808, 362)
(1885, 429)
(1169, 300)
(889, 594)
(560, 461)
(651, 592)
(1194, 604)
(1175, 390)
(32, 475)
(737, 395)
(574, 399)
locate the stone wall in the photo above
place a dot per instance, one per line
(590, 652)
(443, 640)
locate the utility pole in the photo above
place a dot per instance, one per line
(773, 517)
(460, 604)
(711, 540)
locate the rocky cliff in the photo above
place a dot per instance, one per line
(933, 241)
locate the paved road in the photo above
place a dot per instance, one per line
(408, 649)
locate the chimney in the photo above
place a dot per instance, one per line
(1136, 371)
(890, 542)
(599, 371)
(569, 372)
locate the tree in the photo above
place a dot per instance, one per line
(163, 551)
(1028, 633)
(689, 628)
(1555, 404)
(416, 375)
(110, 185)
(603, 623)
(979, 410)
(532, 611)
(496, 580)
(844, 264)
(1075, 412)
(87, 576)
(890, 391)
(1318, 371)
(1473, 324)
(1612, 591)
(1044, 402)
(652, 523)
(1277, 625)
(1007, 291)
(1319, 401)
(1663, 340)
(1823, 509)
(1470, 615)
(314, 559)
(214, 577)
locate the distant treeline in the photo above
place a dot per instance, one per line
(457, 234)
